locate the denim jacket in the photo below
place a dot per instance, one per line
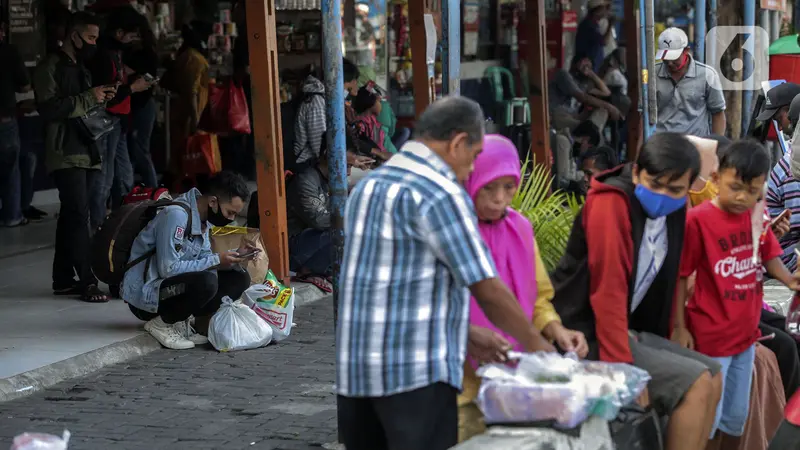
(178, 251)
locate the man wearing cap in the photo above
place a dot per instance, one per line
(784, 181)
(589, 40)
(690, 99)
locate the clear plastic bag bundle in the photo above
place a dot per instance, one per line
(40, 441)
(550, 387)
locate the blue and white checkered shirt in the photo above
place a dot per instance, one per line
(412, 247)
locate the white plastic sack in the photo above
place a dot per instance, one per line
(40, 441)
(274, 303)
(237, 327)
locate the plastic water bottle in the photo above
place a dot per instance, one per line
(793, 317)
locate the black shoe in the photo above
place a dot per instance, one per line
(34, 214)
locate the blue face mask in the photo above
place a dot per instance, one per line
(657, 205)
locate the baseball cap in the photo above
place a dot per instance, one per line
(794, 109)
(778, 97)
(671, 43)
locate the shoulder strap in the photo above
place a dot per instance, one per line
(147, 255)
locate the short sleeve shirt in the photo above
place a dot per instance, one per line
(412, 247)
(686, 106)
(724, 312)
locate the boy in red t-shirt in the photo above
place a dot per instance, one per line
(721, 318)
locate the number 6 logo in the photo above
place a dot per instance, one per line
(739, 56)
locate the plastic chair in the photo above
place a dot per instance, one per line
(510, 110)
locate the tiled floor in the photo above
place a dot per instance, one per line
(37, 329)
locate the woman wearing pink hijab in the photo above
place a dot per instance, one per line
(509, 237)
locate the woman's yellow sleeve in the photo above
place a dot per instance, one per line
(543, 310)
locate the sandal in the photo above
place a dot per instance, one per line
(68, 290)
(93, 294)
(321, 283)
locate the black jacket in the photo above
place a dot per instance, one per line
(581, 296)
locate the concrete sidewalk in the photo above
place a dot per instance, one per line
(278, 397)
(45, 339)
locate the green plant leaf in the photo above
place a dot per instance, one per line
(551, 213)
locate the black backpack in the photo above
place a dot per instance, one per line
(111, 244)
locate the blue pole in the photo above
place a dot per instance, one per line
(700, 30)
(451, 47)
(334, 108)
(749, 14)
(712, 23)
(644, 73)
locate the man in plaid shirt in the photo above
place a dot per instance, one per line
(413, 255)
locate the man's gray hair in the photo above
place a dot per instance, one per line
(449, 116)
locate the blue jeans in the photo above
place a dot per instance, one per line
(27, 170)
(737, 379)
(401, 136)
(311, 250)
(142, 121)
(9, 169)
(116, 173)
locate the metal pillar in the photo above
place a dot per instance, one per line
(334, 108)
(537, 81)
(451, 47)
(712, 23)
(263, 47)
(700, 30)
(633, 67)
(647, 56)
(749, 20)
(775, 25)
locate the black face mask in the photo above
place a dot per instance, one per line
(216, 218)
(577, 149)
(87, 50)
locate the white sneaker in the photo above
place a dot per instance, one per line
(187, 332)
(166, 335)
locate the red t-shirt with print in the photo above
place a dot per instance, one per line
(724, 312)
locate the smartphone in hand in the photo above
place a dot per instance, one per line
(251, 254)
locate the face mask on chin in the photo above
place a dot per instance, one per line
(216, 218)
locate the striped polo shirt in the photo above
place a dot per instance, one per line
(412, 247)
(784, 193)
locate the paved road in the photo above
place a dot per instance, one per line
(279, 397)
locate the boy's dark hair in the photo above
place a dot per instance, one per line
(669, 154)
(126, 19)
(80, 20)
(587, 128)
(349, 70)
(747, 157)
(226, 185)
(364, 100)
(604, 157)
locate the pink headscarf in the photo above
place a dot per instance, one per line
(510, 239)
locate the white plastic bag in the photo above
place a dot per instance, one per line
(274, 303)
(237, 327)
(40, 441)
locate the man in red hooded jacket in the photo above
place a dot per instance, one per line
(617, 280)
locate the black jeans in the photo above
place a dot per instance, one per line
(73, 236)
(785, 348)
(195, 294)
(425, 418)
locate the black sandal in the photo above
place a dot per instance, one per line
(93, 294)
(68, 290)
